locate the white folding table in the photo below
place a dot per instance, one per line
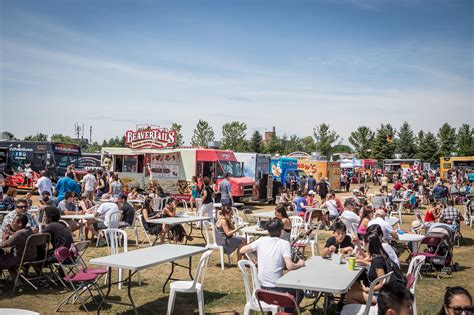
(415, 240)
(254, 230)
(181, 220)
(322, 275)
(78, 217)
(144, 258)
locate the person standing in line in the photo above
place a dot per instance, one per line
(44, 183)
(89, 183)
(207, 207)
(225, 189)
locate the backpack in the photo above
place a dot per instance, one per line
(397, 272)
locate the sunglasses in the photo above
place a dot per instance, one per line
(460, 310)
(22, 207)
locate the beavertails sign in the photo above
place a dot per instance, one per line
(150, 138)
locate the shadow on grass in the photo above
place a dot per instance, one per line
(185, 303)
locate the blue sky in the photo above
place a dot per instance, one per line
(289, 64)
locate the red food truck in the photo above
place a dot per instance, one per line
(149, 159)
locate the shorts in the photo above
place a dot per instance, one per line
(98, 225)
(194, 194)
(226, 202)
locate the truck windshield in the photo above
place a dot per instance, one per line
(64, 160)
(233, 167)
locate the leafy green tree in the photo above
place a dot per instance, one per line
(202, 134)
(58, 137)
(406, 142)
(308, 144)
(420, 138)
(274, 146)
(446, 140)
(465, 140)
(362, 140)
(114, 142)
(342, 148)
(256, 142)
(233, 136)
(292, 144)
(38, 137)
(9, 135)
(428, 148)
(179, 136)
(93, 148)
(383, 146)
(325, 138)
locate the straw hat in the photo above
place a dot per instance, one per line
(380, 212)
(415, 225)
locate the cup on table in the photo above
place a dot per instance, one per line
(351, 262)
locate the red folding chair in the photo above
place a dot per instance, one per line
(282, 300)
(79, 281)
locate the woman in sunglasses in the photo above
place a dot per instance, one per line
(457, 301)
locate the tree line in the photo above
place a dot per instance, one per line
(382, 143)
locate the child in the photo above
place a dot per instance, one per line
(340, 242)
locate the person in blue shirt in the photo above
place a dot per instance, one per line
(66, 184)
(300, 202)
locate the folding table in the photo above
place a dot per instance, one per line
(143, 258)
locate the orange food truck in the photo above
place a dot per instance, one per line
(321, 169)
(150, 157)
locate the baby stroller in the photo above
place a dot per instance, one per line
(437, 247)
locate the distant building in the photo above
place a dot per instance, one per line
(268, 135)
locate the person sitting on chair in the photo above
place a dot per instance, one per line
(340, 242)
(17, 241)
(225, 232)
(177, 230)
(61, 236)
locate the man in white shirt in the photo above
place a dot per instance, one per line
(388, 232)
(331, 206)
(102, 215)
(89, 183)
(349, 215)
(44, 183)
(274, 254)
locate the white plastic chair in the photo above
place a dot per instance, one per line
(211, 240)
(140, 221)
(414, 269)
(114, 238)
(296, 225)
(361, 309)
(314, 240)
(114, 223)
(133, 227)
(195, 286)
(251, 284)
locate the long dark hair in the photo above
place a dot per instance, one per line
(281, 209)
(148, 204)
(375, 245)
(450, 293)
(365, 214)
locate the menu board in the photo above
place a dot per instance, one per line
(164, 165)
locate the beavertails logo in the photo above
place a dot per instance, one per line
(150, 138)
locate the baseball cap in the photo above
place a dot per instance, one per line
(311, 192)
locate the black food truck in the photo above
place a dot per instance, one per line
(25, 160)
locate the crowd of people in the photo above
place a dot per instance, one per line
(358, 225)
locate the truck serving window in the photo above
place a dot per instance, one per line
(233, 167)
(64, 160)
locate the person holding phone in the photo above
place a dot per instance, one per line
(226, 233)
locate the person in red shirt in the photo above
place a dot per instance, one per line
(339, 205)
(432, 215)
(398, 185)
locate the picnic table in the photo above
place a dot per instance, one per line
(322, 275)
(181, 220)
(144, 258)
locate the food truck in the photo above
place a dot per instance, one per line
(321, 169)
(25, 160)
(90, 161)
(257, 167)
(150, 157)
(452, 163)
(392, 166)
(283, 168)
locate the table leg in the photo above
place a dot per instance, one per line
(190, 266)
(169, 277)
(325, 311)
(129, 292)
(109, 286)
